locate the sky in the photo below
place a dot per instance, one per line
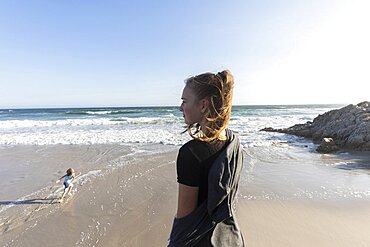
(88, 53)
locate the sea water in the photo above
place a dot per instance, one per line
(162, 125)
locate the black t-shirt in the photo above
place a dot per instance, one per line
(194, 161)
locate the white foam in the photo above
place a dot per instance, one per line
(94, 136)
(84, 178)
(99, 112)
(16, 124)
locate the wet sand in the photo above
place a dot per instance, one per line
(127, 197)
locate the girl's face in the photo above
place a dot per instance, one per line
(192, 108)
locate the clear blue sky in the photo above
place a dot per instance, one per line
(137, 53)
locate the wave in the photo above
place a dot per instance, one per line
(16, 124)
(148, 120)
(145, 134)
(103, 112)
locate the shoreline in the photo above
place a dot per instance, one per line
(132, 200)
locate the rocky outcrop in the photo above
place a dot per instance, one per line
(327, 145)
(348, 127)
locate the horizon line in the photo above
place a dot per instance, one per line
(152, 106)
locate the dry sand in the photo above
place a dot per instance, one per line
(131, 201)
(305, 223)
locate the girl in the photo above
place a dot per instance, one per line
(68, 178)
(208, 167)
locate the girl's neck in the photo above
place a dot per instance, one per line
(204, 131)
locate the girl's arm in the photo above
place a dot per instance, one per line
(187, 200)
(60, 179)
(76, 176)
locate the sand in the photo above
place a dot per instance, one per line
(299, 223)
(127, 197)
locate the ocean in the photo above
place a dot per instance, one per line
(162, 125)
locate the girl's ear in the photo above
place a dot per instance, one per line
(204, 104)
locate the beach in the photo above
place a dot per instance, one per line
(305, 223)
(115, 89)
(127, 197)
(289, 194)
(129, 202)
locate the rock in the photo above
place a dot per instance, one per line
(349, 127)
(327, 146)
(268, 129)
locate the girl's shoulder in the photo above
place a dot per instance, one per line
(193, 145)
(191, 149)
(200, 150)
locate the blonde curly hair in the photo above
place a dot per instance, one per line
(218, 88)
